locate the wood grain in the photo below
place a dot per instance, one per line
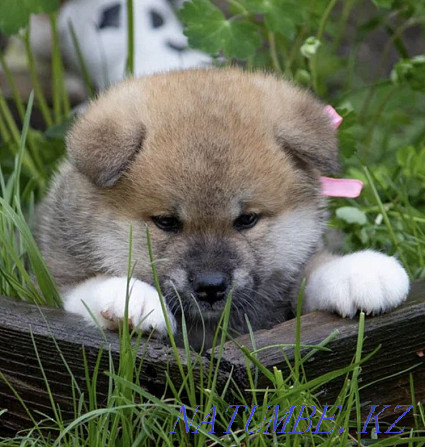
(22, 326)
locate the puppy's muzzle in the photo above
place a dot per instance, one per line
(210, 286)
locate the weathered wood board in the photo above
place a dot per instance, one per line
(401, 335)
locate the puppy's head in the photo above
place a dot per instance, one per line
(223, 166)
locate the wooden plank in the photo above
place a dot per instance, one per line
(400, 333)
(19, 322)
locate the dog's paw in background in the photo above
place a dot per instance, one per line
(106, 297)
(366, 280)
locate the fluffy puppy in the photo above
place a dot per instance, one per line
(223, 168)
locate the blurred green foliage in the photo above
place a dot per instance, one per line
(14, 14)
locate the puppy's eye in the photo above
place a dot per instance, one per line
(246, 221)
(170, 224)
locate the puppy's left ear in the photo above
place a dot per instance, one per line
(105, 140)
(305, 131)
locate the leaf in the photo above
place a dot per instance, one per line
(387, 4)
(411, 161)
(347, 144)
(351, 215)
(410, 72)
(208, 29)
(281, 16)
(240, 40)
(302, 77)
(346, 137)
(405, 156)
(59, 130)
(349, 116)
(14, 14)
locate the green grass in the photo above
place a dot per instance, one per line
(20, 257)
(131, 416)
(382, 142)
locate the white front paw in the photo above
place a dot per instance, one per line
(366, 280)
(106, 298)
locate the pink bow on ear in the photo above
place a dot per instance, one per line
(334, 116)
(339, 187)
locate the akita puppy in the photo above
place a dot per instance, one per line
(223, 167)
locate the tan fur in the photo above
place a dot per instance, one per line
(206, 145)
(225, 107)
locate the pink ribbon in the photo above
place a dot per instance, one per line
(339, 187)
(334, 116)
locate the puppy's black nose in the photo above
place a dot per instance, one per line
(210, 286)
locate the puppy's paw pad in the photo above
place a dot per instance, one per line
(114, 319)
(108, 315)
(366, 280)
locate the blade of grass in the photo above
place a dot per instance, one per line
(81, 61)
(130, 39)
(44, 279)
(14, 88)
(386, 220)
(41, 99)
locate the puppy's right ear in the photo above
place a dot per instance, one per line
(105, 140)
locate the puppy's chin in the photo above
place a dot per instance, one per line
(207, 311)
(194, 309)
